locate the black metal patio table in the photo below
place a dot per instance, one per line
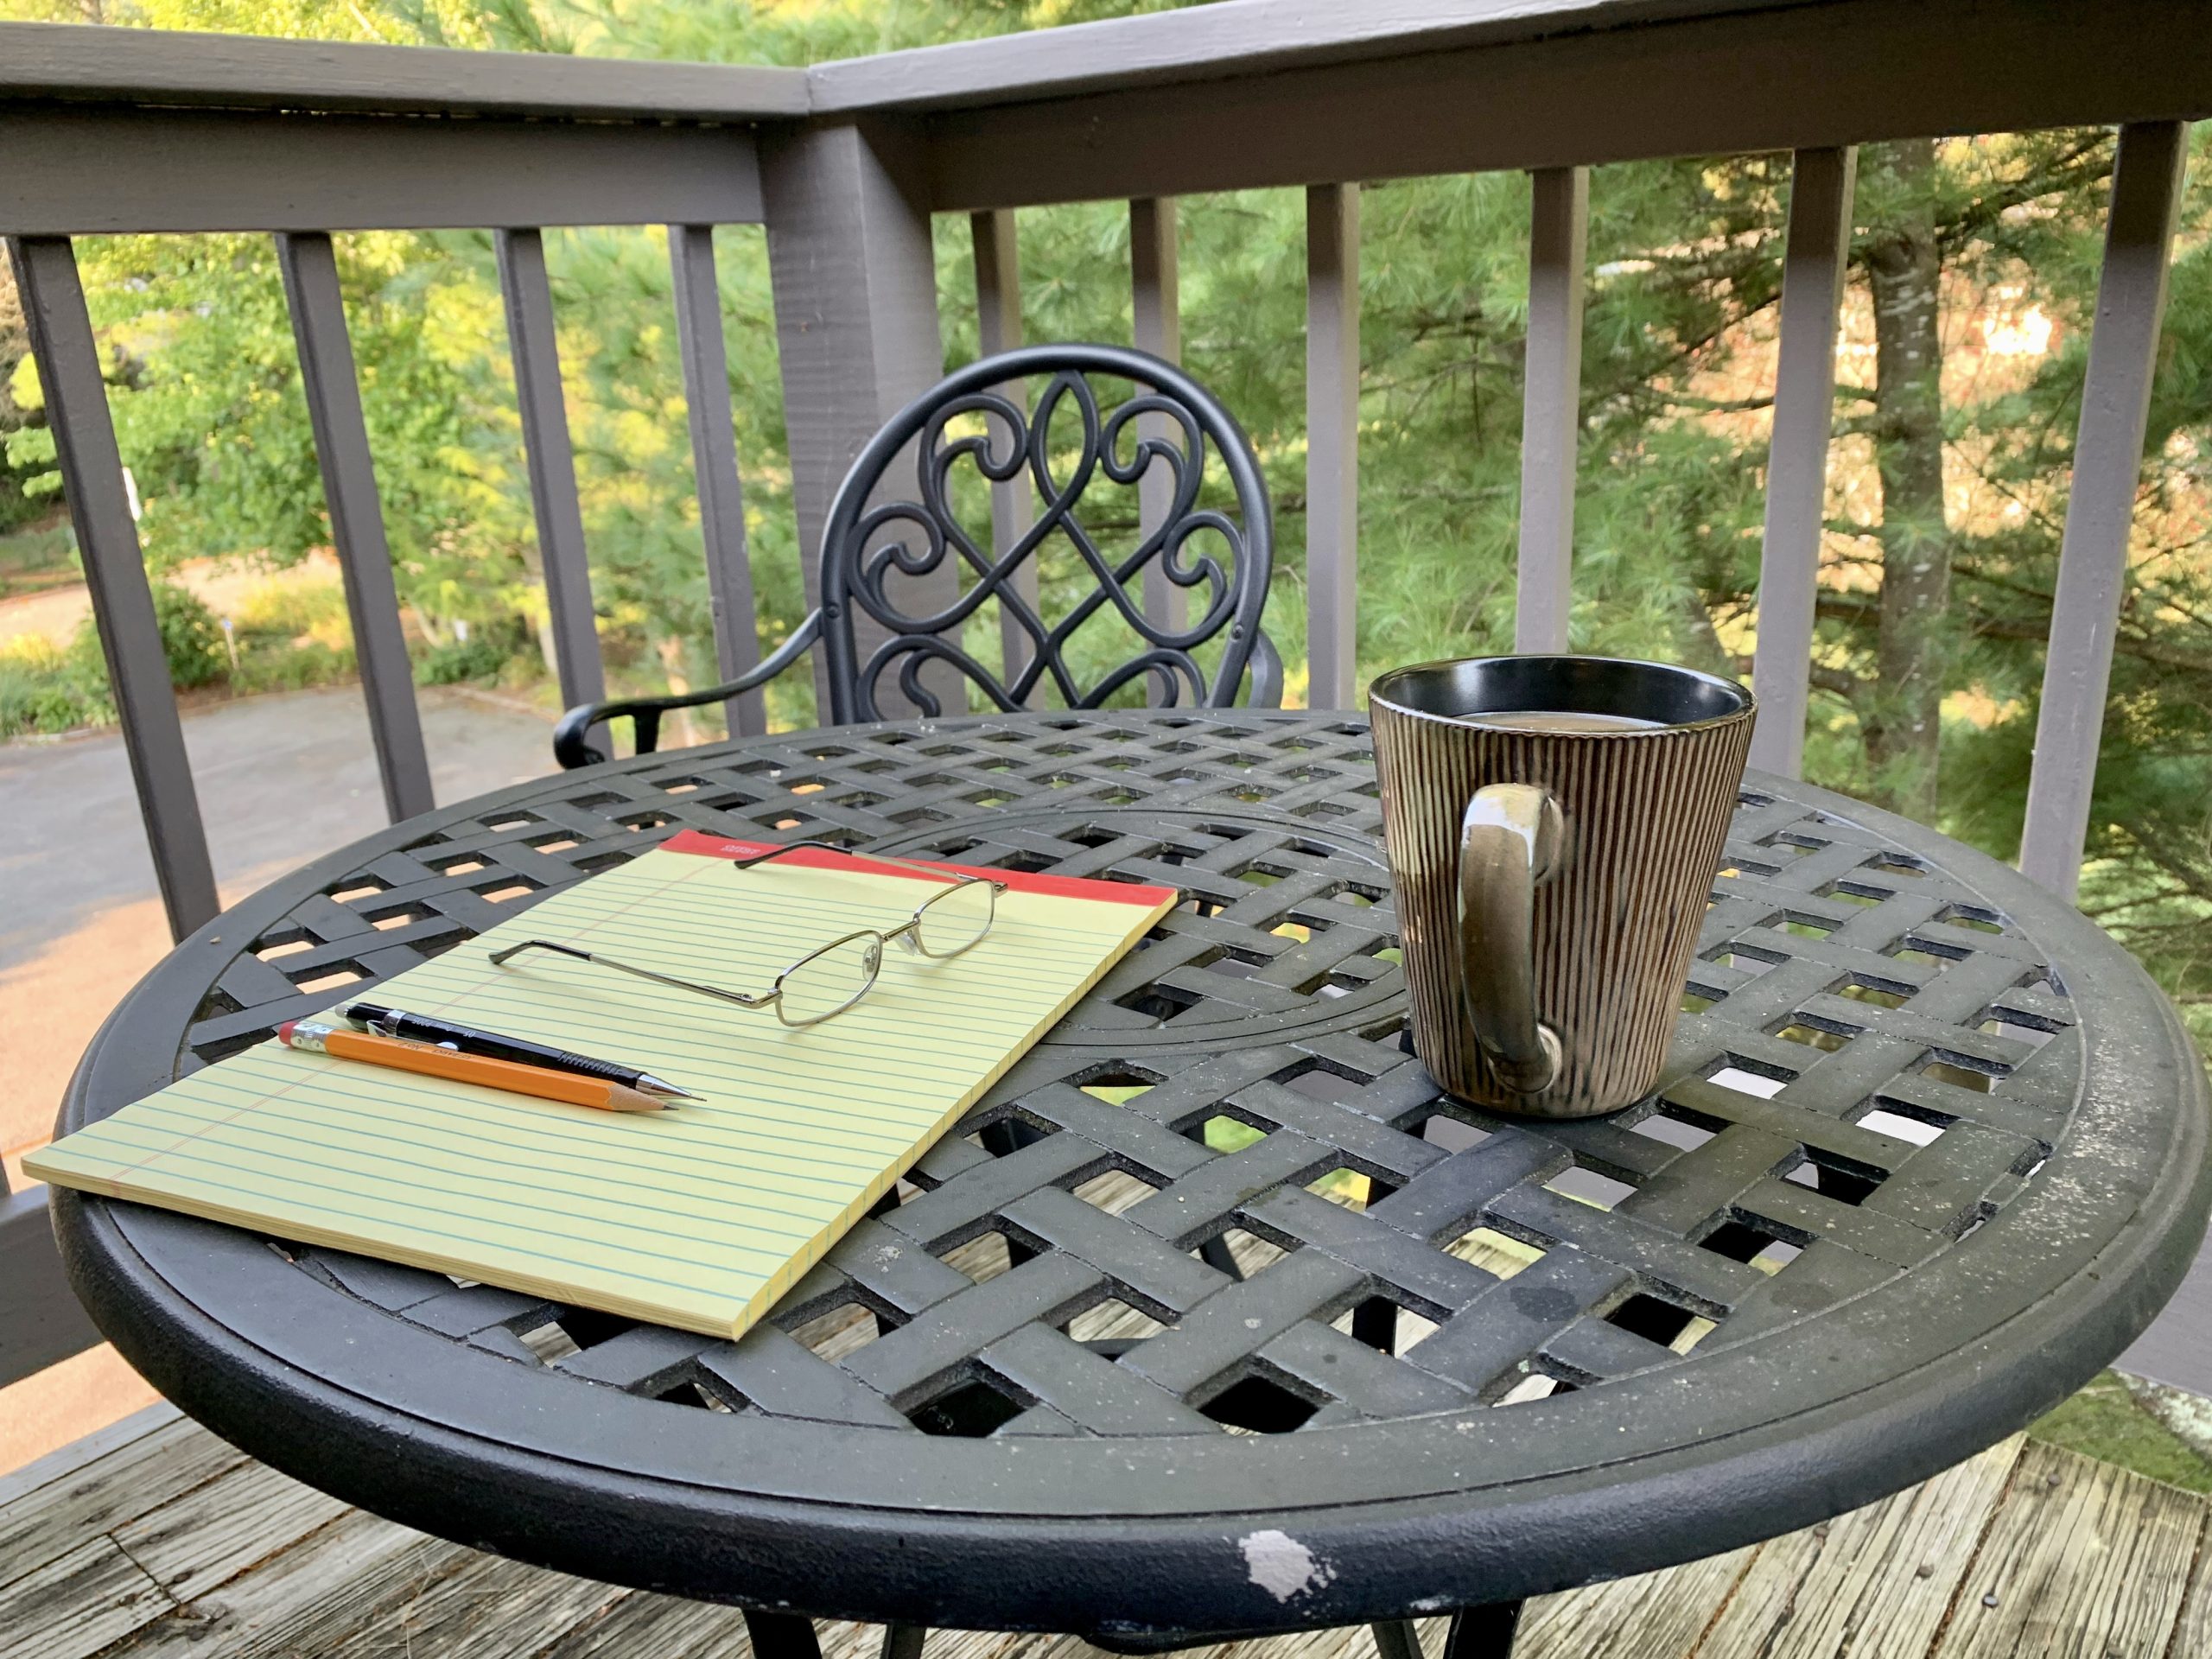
(1930, 1150)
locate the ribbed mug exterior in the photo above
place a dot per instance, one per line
(1647, 813)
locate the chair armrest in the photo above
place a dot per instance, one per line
(1266, 669)
(571, 750)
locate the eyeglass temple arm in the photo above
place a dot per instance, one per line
(865, 858)
(500, 959)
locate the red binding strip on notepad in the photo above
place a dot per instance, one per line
(1059, 886)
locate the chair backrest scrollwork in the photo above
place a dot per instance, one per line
(881, 540)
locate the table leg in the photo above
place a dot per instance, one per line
(1008, 1136)
(781, 1636)
(1485, 1632)
(1396, 1638)
(1375, 1321)
(1216, 1254)
(904, 1641)
(1002, 1139)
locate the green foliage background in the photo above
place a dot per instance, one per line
(1685, 275)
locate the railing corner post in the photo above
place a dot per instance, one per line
(854, 273)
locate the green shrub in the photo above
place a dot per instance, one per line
(191, 641)
(286, 645)
(44, 688)
(83, 661)
(479, 657)
(289, 665)
(292, 633)
(286, 609)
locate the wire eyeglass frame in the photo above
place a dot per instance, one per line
(909, 933)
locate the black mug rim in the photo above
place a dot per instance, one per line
(1382, 693)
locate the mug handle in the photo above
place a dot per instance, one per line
(1510, 840)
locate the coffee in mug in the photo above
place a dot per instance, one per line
(1553, 826)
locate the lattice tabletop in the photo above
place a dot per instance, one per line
(1216, 1315)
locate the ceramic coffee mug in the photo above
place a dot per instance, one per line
(1553, 824)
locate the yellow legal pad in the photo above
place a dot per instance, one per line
(699, 1218)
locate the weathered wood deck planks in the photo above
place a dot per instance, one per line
(1880, 1580)
(2081, 1560)
(156, 1539)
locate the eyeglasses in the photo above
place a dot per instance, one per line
(826, 981)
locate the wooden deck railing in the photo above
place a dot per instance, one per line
(116, 131)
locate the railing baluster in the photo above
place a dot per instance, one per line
(349, 488)
(42, 1321)
(68, 361)
(1158, 328)
(1332, 444)
(562, 557)
(1813, 263)
(1551, 416)
(2101, 507)
(998, 319)
(714, 467)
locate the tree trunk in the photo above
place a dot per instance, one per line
(15, 347)
(1901, 717)
(541, 622)
(682, 728)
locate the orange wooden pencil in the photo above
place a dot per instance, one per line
(431, 1060)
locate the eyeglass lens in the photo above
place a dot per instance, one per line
(830, 981)
(956, 919)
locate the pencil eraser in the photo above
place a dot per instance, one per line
(284, 1031)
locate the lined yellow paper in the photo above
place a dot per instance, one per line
(699, 1218)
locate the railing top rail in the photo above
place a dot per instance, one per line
(2062, 63)
(79, 62)
(1220, 42)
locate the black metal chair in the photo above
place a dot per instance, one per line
(866, 546)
